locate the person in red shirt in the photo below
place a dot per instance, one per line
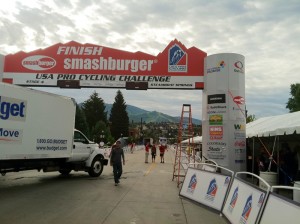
(147, 148)
(162, 149)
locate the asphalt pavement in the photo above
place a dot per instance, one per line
(146, 195)
(150, 196)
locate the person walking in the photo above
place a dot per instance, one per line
(153, 152)
(117, 154)
(132, 147)
(162, 149)
(147, 149)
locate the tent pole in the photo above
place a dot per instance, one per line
(271, 156)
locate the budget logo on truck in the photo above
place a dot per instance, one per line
(10, 136)
(12, 109)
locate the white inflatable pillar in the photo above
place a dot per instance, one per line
(223, 111)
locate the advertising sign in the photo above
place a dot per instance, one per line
(243, 203)
(280, 210)
(87, 65)
(205, 187)
(223, 116)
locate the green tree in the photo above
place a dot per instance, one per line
(94, 110)
(293, 103)
(110, 140)
(118, 117)
(250, 118)
(80, 121)
(100, 129)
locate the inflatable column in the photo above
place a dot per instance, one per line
(223, 111)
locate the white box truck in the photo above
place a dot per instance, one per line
(37, 132)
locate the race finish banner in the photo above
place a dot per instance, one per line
(75, 65)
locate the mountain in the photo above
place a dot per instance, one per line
(135, 114)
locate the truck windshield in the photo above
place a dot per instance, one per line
(78, 137)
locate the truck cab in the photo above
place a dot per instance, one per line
(86, 155)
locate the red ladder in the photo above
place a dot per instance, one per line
(185, 152)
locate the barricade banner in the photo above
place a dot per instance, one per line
(205, 187)
(280, 209)
(244, 202)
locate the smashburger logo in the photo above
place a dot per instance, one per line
(239, 100)
(38, 62)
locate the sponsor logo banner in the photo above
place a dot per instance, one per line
(38, 62)
(239, 100)
(12, 109)
(239, 135)
(239, 127)
(10, 136)
(177, 59)
(244, 202)
(175, 67)
(233, 199)
(212, 190)
(216, 132)
(247, 210)
(192, 185)
(220, 65)
(217, 143)
(216, 98)
(239, 67)
(216, 119)
(240, 143)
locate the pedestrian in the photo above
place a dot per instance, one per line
(162, 149)
(289, 164)
(132, 147)
(117, 154)
(147, 149)
(153, 152)
(263, 160)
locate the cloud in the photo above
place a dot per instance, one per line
(265, 32)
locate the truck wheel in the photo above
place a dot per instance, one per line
(96, 167)
(65, 172)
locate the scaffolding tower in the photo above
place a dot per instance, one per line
(185, 152)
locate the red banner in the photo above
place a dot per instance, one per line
(90, 65)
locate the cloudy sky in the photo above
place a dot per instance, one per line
(266, 32)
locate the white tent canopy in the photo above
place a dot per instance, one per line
(285, 124)
(196, 139)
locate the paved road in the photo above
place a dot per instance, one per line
(146, 195)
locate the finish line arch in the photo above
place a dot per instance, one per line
(220, 76)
